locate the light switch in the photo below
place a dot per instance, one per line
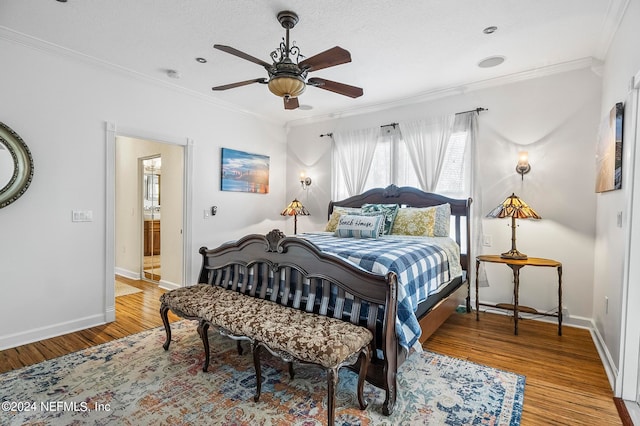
(82, 216)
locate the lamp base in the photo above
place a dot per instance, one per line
(514, 254)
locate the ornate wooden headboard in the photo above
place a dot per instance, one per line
(407, 196)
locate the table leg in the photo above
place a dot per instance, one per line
(477, 298)
(559, 300)
(516, 290)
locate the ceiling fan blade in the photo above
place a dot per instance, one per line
(242, 55)
(335, 87)
(291, 103)
(240, 83)
(328, 58)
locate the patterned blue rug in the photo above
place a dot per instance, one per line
(133, 381)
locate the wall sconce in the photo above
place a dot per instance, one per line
(305, 181)
(523, 166)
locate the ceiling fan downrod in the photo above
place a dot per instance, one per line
(288, 20)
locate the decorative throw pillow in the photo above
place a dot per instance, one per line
(428, 221)
(335, 216)
(357, 226)
(388, 210)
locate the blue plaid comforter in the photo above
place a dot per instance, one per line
(423, 265)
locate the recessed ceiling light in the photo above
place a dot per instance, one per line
(201, 60)
(490, 30)
(491, 61)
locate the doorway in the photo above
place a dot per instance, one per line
(151, 218)
(150, 211)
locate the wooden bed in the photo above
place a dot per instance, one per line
(294, 272)
(434, 311)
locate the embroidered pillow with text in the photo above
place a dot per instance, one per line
(353, 226)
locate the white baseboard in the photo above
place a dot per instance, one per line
(110, 314)
(607, 361)
(168, 285)
(634, 411)
(41, 333)
(127, 274)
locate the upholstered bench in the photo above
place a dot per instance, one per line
(189, 302)
(288, 333)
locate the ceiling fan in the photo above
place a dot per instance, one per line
(287, 74)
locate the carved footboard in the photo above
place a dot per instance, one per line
(294, 273)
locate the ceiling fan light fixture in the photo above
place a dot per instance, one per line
(286, 86)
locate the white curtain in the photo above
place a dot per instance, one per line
(468, 122)
(353, 152)
(426, 141)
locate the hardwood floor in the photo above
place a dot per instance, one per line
(134, 313)
(565, 381)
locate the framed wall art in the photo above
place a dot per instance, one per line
(609, 151)
(244, 172)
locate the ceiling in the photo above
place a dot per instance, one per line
(401, 50)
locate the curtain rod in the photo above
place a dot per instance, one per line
(476, 110)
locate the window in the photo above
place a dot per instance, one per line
(391, 164)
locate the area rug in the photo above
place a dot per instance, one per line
(123, 289)
(133, 381)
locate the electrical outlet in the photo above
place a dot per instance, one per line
(487, 241)
(207, 213)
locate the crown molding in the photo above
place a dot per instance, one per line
(54, 49)
(616, 12)
(612, 20)
(445, 92)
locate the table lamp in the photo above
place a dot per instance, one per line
(295, 209)
(515, 208)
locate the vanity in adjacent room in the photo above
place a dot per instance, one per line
(151, 237)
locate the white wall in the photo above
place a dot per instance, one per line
(52, 270)
(555, 118)
(621, 64)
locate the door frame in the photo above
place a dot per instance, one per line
(628, 383)
(111, 132)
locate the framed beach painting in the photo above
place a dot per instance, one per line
(244, 172)
(609, 151)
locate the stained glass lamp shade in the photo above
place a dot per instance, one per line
(295, 209)
(515, 208)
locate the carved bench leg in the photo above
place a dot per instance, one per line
(255, 349)
(239, 346)
(332, 384)
(164, 314)
(365, 357)
(203, 328)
